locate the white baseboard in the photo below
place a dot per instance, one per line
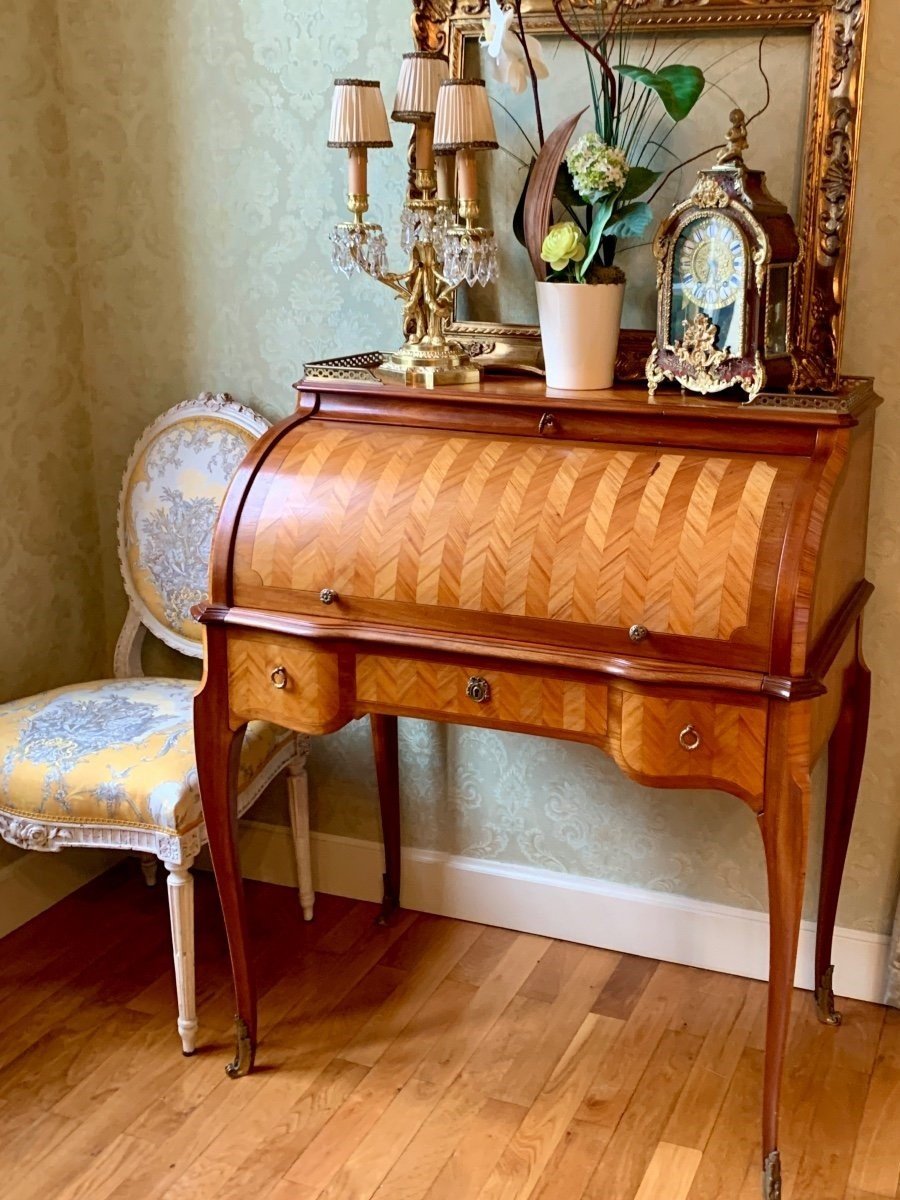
(35, 882)
(652, 924)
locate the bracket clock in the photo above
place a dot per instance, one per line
(727, 261)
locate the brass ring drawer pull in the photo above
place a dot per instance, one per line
(478, 689)
(279, 678)
(637, 633)
(689, 739)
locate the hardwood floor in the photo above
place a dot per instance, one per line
(434, 1060)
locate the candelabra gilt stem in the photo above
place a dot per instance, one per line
(445, 245)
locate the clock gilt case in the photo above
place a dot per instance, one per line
(727, 259)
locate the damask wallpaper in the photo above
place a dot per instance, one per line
(202, 200)
(51, 631)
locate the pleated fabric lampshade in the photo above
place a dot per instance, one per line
(421, 75)
(358, 116)
(463, 119)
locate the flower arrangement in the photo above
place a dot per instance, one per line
(600, 183)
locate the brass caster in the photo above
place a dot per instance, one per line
(243, 1057)
(771, 1180)
(825, 1000)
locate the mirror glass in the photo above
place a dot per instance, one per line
(730, 62)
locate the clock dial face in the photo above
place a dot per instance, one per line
(709, 275)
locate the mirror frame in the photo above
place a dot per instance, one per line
(837, 30)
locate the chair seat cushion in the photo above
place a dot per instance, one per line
(115, 752)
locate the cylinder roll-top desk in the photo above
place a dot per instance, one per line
(679, 583)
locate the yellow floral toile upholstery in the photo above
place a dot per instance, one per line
(171, 496)
(118, 752)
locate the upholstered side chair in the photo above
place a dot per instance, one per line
(111, 763)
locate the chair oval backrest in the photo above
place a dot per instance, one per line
(172, 490)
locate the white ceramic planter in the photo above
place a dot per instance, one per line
(580, 333)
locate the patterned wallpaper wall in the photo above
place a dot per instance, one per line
(203, 196)
(52, 625)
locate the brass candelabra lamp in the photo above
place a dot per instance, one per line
(439, 227)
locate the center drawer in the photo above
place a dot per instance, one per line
(476, 694)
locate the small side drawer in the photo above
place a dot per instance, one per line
(283, 680)
(476, 695)
(696, 740)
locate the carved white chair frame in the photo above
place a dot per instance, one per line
(176, 852)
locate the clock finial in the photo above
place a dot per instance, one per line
(737, 142)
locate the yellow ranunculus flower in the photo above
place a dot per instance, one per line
(562, 245)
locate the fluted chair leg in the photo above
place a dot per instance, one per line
(181, 914)
(298, 795)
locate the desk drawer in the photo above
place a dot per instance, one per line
(475, 694)
(699, 741)
(283, 680)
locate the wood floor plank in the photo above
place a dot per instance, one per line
(450, 1120)
(366, 1166)
(697, 1108)
(625, 986)
(324, 1156)
(429, 1060)
(484, 956)
(436, 956)
(573, 1163)
(611, 1091)
(453, 1051)
(106, 1171)
(670, 1174)
(876, 1159)
(627, 1156)
(734, 1141)
(458, 1041)
(577, 990)
(824, 1170)
(525, 1158)
(470, 1165)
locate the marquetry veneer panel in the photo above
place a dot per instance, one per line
(574, 532)
(309, 700)
(439, 689)
(732, 740)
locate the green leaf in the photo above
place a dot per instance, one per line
(602, 213)
(679, 87)
(639, 180)
(630, 221)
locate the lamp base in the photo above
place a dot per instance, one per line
(423, 367)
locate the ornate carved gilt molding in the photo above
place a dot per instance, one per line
(837, 30)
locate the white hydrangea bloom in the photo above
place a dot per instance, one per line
(597, 169)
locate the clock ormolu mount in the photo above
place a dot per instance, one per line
(726, 268)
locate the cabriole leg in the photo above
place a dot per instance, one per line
(784, 825)
(298, 801)
(218, 750)
(387, 767)
(181, 916)
(846, 751)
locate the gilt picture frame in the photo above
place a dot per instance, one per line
(830, 145)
